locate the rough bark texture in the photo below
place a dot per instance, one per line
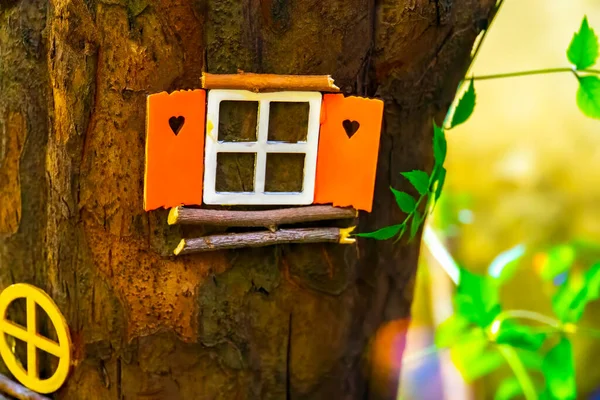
(286, 322)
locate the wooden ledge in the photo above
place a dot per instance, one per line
(268, 218)
(268, 82)
(264, 238)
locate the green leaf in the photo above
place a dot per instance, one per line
(588, 292)
(583, 50)
(465, 106)
(404, 200)
(485, 364)
(559, 371)
(474, 357)
(415, 223)
(508, 389)
(382, 234)
(438, 177)
(575, 294)
(477, 299)
(559, 259)
(532, 360)
(451, 331)
(419, 179)
(592, 279)
(588, 96)
(565, 300)
(440, 183)
(440, 147)
(519, 336)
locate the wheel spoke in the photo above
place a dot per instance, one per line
(49, 346)
(14, 330)
(32, 363)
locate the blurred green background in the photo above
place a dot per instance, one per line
(524, 169)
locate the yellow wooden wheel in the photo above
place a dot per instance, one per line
(62, 350)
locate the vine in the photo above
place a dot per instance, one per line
(481, 335)
(582, 53)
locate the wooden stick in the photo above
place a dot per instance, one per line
(267, 218)
(17, 391)
(268, 82)
(264, 238)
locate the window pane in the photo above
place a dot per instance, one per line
(288, 122)
(235, 172)
(285, 172)
(237, 121)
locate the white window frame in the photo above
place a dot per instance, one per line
(261, 147)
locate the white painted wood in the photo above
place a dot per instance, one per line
(261, 147)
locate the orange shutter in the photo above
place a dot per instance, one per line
(348, 148)
(174, 149)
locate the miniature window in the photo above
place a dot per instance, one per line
(264, 151)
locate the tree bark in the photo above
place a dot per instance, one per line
(319, 321)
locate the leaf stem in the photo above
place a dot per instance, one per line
(571, 328)
(530, 315)
(408, 217)
(533, 72)
(486, 31)
(515, 363)
(557, 326)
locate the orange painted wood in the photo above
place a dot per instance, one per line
(348, 149)
(174, 149)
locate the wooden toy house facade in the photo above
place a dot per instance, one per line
(234, 147)
(194, 135)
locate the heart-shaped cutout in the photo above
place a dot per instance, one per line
(350, 127)
(176, 123)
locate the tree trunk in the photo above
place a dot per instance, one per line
(320, 321)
